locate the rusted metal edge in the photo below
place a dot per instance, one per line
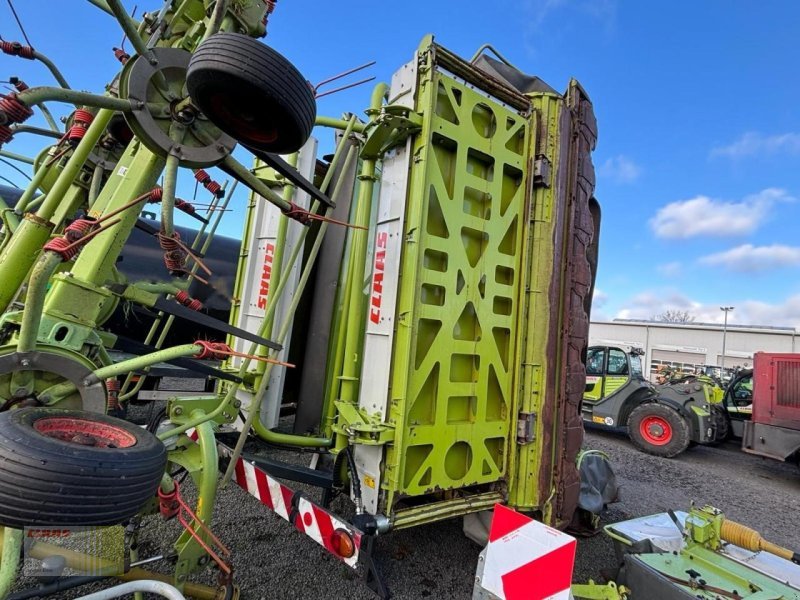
(474, 75)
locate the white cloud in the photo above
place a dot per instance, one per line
(753, 143)
(620, 169)
(702, 215)
(746, 312)
(557, 17)
(786, 313)
(599, 298)
(599, 302)
(670, 269)
(649, 304)
(750, 259)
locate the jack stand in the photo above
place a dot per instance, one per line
(370, 574)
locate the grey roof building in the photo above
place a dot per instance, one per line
(691, 345)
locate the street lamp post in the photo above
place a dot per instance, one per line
(724, 309)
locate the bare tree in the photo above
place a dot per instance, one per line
(675, 316)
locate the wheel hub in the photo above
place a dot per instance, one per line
(24, 376)
(84, 433)
(656, 430)
(159, 110)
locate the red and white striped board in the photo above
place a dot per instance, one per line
(316, 522)
(527, 560)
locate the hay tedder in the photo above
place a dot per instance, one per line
(430, 278)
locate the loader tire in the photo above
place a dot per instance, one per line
(722, 424)
(658, 430)
(74, 468)
(252, 93)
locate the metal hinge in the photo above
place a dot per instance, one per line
(361, 428)
(541, 171)
(390, 129)
(526, 426)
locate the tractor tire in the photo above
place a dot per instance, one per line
(252, 93)
(74, 468)
(658, 430)
(722, 424)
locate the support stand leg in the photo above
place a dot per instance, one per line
(371, 576)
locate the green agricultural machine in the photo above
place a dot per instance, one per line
(696, 555)
(420, 293)
(663, 419)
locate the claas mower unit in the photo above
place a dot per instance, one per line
(419, 292)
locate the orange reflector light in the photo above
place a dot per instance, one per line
(343, 543)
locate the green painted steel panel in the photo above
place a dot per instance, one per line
(452, 381)
(614, 382)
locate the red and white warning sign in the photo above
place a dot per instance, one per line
(527, 560)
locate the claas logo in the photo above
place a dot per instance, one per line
(377, 277)
(48, 533)
(266, 274)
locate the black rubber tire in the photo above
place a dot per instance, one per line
(252, 93)
(722, 424)
(679, 440)
(45, 481)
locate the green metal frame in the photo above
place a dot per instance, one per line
(77, 300)
(475, 320)
(452, 361)
(700, 554)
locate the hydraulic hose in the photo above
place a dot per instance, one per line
(150, 586)
(750, 539)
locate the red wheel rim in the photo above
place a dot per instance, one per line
(83, 432)
(246, 123)
(656, 430)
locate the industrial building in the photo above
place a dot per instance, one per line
(687, 346)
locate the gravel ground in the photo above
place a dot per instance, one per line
(274, 563)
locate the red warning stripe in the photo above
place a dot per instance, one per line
(304, 515)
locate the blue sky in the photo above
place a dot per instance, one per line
(696, 102)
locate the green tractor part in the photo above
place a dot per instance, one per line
(701, 555)
(461, 395)
(437, 268)
(662, 419)
(615, 385)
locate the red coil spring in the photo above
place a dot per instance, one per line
(156, 194)
(60, 247)
(5, 133)
(174, 255)
(188, 301)
(121, 55)
(77, 229)
(169, 243)
(19, 85)
(185, 206)
(112, 400)
(82, 116)
(81, 119)
(214, 187)
(17, 49)
(175, 261)
(208, 183)
(15, 109)
(76, 133)
(168, 504)
(213, 350)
